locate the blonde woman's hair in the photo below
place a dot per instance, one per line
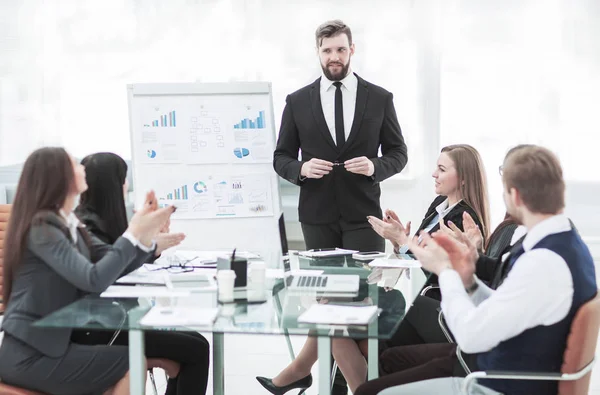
(472, 181)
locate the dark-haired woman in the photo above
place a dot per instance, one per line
(49, 261)
(102, 210)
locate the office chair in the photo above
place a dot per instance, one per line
(4, 217)
(579, 357)
(428, 288)
(450, 339)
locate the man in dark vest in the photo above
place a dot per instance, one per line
(523, 325)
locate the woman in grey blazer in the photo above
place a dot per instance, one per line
(50, 260)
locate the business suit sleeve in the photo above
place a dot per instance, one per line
(285, 158)
(51, 245)
(485, 268)
(99, 249)
(393, 147)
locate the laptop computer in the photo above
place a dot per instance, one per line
(322, 284)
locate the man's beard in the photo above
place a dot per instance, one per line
(337, 76)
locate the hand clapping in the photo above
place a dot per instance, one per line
(148, 221)
(441, 252)
(391, 228)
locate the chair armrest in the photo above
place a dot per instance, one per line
(121, 324)
(462, 361)
(443, 327)
(429, 288)
(519, 375)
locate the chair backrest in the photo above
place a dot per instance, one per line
(4, 215)
(581, 347)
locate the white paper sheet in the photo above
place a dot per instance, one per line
(144, 276)
(124, 291)
(279, 273)
(395, 263)
(338, 315)
(327, 253)
(179, 316)
(212, 195)
(213, 129)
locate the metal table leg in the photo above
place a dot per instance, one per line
(218, 368)
(324, 347)
(137, 366)
(373, 359)
(373, 342)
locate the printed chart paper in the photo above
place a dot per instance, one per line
(215, 196)
(211, 129)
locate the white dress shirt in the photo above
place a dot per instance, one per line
(537, 291)
(72, 223)
(349, 87)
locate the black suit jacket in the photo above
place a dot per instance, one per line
(455, 215)
(340, 194)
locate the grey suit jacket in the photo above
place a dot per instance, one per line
(54, 273)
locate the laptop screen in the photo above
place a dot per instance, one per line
(283, 236)
(284, 245)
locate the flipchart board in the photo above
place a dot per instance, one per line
(208, 149)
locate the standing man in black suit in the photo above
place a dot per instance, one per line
(339, 122)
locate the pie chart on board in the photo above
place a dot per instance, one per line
(200, 187)
(151, 154)
(241, 152)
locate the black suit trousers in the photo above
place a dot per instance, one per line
(408, 364)
(340, 234)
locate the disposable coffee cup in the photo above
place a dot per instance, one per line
(258, 274)
(225, 282)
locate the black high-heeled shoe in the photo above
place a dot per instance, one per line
(301, 384)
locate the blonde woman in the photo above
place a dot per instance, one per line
(461, 186)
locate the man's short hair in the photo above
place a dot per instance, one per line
(536, 173)
(331, 29)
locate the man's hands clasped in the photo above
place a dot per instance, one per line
(318, 168)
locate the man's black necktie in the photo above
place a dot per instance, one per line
(340, 135)
(515, 251)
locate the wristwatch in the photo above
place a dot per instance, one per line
(470, 290)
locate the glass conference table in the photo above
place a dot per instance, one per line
(277, 315)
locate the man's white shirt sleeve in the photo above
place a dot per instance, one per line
(537, 291)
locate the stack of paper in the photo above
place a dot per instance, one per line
(395, 263)
(338, 315)
(144, 276)
(327, 252)
(179, 316)
(126, 291)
